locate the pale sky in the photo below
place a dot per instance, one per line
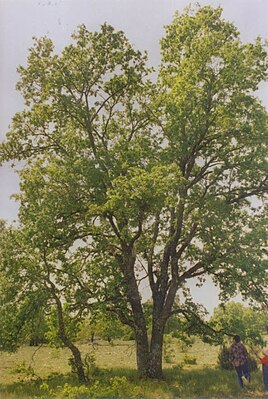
(141, 20)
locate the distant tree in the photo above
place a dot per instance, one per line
(38, 329)
(146, 181)
(103, 325)
(235, 318)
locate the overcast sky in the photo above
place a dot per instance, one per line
(141, 20)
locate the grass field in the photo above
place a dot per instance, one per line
(49, 374)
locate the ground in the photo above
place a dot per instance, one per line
(188, 373)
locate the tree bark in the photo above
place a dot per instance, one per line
(156, 351)
(140, 328)
(142, 353)
(78, 363)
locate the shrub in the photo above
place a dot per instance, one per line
(26, 373)
(224, 359)
(75, 392)
(168, 349)
(189, 359)
(115, 387)
(89, 366)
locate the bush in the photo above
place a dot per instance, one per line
(189, 359)
(26, 373)
(168, 349)
(115, 387)
(89, 366)
(224, 359)
(225, 363)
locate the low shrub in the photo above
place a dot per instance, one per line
(168, 351)
(26, 373)
(115, 387)
(189, 359)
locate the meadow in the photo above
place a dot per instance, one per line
(44, 373)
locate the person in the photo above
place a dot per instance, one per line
(264, 363)
(239, 357)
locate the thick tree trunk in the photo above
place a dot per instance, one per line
(140, 328)
(149, 362)
(156, 353)
(141, 337)
(161, 312)
(142, 354)
(156, 347)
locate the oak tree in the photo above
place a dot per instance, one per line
(154, 182)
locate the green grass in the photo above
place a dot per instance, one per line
(117, 376)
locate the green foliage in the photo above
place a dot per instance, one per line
(235, 318)
(224, 359)
(103, 325)
(116, 387)
(124, 179)
(189, 359)
(89, 366)
(167, 349)
(106, 326)
(25, 373)
(189, 381)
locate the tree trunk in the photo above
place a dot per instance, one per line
(142, 354)
(149, 361)
(156, 353)
(140, 328)
(141, 337)
(78, 364)
(156, 347)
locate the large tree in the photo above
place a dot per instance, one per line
(159, 182)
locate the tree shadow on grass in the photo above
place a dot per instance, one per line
(31, 388)
(212, 383)
(177, 383)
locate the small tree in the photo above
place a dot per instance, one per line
(104, 325)
(30, 289)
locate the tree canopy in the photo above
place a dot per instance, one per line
(235, 318)
(129, 179)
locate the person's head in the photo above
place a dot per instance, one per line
(237, 338)
(265, 352)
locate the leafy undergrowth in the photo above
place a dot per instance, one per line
(124, 383)
(30, 374)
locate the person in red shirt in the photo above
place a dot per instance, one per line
(239, 357)
(264, 363)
